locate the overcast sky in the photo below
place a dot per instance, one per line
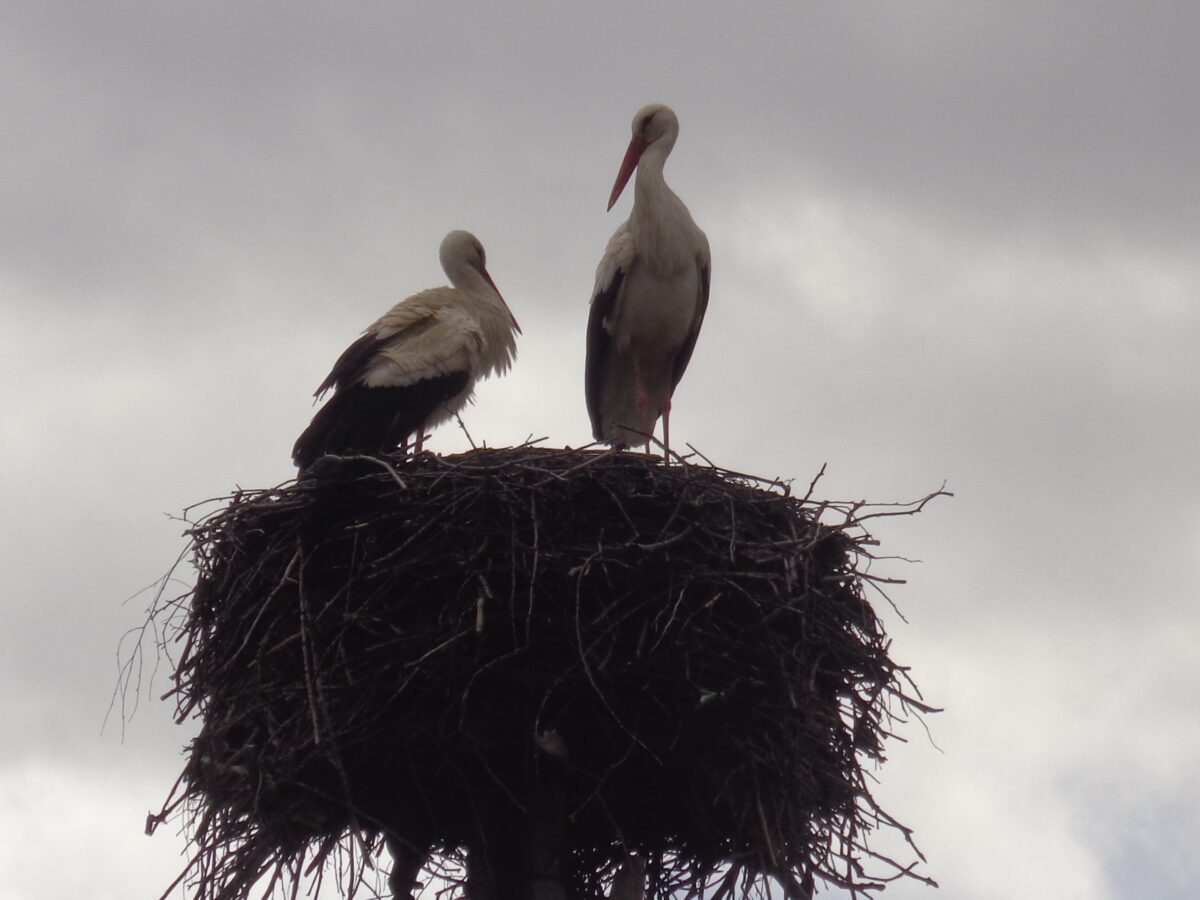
(951, 241)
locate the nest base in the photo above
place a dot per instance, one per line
(543, 660)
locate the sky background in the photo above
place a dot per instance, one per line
(952, 241)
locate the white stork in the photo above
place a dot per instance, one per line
(650, 296)
(417, 365)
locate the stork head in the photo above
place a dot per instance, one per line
(461, 255)
(655, 125)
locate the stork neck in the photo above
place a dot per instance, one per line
(494, 312)
(468, 280)
(649, 181)
(660, 222)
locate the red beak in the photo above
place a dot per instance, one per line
(636, 147)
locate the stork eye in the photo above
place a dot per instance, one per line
(645, 122)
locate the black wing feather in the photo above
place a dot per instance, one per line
(351, 364)
(685, 352)
(599, 350)
(360, 419)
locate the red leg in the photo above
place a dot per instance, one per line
(666, 417)
(643, 402)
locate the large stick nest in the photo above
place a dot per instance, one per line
(381, 648)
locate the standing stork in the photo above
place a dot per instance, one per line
(650, 296)
(417, 365)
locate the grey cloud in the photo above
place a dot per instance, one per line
(150, 142)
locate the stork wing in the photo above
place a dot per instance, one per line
(610, 275)
(689, 344)
(425, 336)
(446, 342)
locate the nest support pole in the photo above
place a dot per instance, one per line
(517, 855)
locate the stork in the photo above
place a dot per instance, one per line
(417, 365)
(650, 296)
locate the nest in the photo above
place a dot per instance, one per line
(410, 650)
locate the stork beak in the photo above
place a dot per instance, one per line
(488, 278)
(637, 146)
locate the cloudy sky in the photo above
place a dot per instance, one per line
(952, 241)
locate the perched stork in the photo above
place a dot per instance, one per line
(650, 296)
(418, 364)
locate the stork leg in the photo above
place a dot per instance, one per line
(666, 417)
(643, 403)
